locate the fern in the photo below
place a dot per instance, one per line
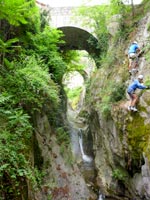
(16, 12)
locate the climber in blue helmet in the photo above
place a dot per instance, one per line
(137, 83)
(133, 54)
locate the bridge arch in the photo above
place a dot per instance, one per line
(79, 39)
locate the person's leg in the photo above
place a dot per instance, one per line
(133, 64)
(131, 57)
(131, 99)
(135, 61)
(134, 100)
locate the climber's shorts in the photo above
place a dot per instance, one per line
(131, 94)
(132, 55)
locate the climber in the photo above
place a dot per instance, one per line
(137, 83)
(133, 52)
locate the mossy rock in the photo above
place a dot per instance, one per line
(138, 136)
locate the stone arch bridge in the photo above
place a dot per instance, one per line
(76, 37)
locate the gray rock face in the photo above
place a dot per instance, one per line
(62, 181)
(110, 146)
(141, 181)
(117, 174)
(114, 24)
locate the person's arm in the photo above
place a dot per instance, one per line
(140, 86)
(138, 50)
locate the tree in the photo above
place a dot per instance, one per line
(132, 6)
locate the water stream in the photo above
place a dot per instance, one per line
(85, 157)
(80, 145)
(100, 197)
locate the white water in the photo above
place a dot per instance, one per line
(101, 196)
(84, 156)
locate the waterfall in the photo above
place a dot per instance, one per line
(84, 156)
(101, 196)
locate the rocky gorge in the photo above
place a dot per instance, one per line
(116, 140)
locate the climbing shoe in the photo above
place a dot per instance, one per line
(129, 107)
(130, 72)
(133, 109)
(135, 70)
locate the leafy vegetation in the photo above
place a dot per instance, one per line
(73, 59)
(30, 82)
(31, 70)
(97, 19)
(94, 16)
(119, 175)
(17, 12)
(109, 95)
(45, 46)
(73, 96)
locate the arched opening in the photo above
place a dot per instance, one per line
(79, 39)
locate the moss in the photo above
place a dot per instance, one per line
(138, 136)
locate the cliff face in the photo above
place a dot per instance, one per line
(121, 140)
(62, 177)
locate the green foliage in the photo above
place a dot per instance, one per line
(14, 138)
(147, 81)
(31, 82)
(145, 7)
(109, 59)
(98, 17)
(117, 7)
(62, 136)
(45, 45)
(45, 18)
(18, 11)
(72, 58)
(30, 62)
(73, 95)
(33, 85)
(118, 92)
(38, 81)
(25, 84)
(119, 175)
(110, 94)
(95, 17)
(6, 47)
(138, 138)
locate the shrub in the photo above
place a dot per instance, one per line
(119, 175)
